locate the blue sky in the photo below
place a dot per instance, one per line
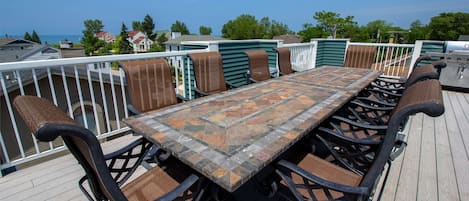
(66, 17)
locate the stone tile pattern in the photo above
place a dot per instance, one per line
(229, 137)
(352, 80)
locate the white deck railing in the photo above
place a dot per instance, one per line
(302, 55)
(87, 88)
(393, 59)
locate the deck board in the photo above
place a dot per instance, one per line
(427, 183)
(433, 167)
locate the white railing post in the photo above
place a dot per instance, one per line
(415, 54)
(314, 51)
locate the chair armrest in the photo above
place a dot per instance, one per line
(358, 124)
(230, 85)
(181, 98)
(439, 64)
(253, 80)
(123, 150)
(179, 190)
(317, 180)
(374, 108)
(376, 101)
(199, 92)
(133, 111)
(385, 92)
(390, 80)
(421, 58)
(343, 137)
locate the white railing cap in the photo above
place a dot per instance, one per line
(21, 65)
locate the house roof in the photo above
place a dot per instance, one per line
(289, 38)
(19, 49)
(101, 34)
(133, 33)
(138, 40)
(183, 38)
(463, 38)
(4, 41)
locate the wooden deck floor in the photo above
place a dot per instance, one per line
(435, 165)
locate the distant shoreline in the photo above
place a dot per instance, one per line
(54, 39)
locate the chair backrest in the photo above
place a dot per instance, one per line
(150, 84)
(47, 122)
(360, 56)
(422, 73)
(423, 97)
(258, 64)
(284, 62)
(208, 71)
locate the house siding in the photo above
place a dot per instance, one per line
(331, 53)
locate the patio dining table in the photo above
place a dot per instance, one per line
(229, 137)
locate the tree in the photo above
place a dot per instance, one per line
(124, 44)
(417, 31)
(148, 26)
(332, 23)
(378, 30)
(180, 27)
(35, 37)
(161, 39)
(94, 26)
(137, 25)
(27, 36)
(91, 43)
(273, 28)
(203, 30)
(309, 31)
(448, 26)
(243, 27)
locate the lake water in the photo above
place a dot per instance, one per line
(55, 39)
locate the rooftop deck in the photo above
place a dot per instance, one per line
(433, 167)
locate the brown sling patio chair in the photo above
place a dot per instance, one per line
(314, 178)
(389, 91)
(106, 174)
(360, 56)
(351, 140)
(208, 71)
(258, 65)
(149, 85)
(284, 61)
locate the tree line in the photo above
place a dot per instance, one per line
(445, 26)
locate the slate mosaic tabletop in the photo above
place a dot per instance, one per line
(229, 137)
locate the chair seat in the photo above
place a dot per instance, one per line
(327, 171)
(149, 186)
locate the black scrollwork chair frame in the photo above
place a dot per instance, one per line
(304, 184)
(105, 174)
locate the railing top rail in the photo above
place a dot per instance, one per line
(227, 41)
(22, 65)
(297, 45)
(382, 44)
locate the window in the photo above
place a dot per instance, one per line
(89, 116)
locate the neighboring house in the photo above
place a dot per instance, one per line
(289, 38)
(65, 44)
(174, 44)
(107, 37)
(12, 50)
(140, 42)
